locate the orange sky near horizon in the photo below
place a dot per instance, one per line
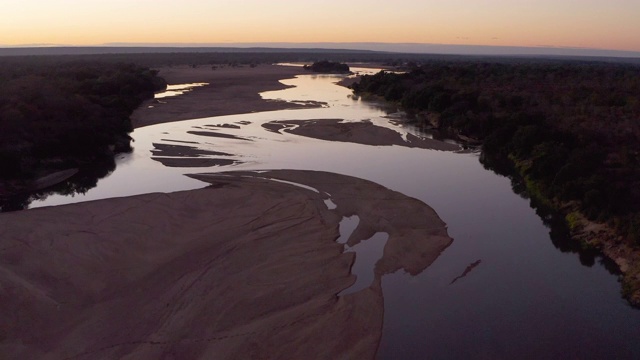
(596, 24)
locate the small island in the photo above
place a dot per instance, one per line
(328, 67)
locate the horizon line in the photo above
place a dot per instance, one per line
(394, 47)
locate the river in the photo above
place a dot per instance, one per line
(501, 290)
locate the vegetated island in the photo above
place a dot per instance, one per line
(566, 133)
(328, 67)
(59, 117)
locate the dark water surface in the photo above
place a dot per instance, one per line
(515, 295)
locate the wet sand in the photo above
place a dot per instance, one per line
(231, 90)
(245, 268)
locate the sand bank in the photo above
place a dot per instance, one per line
(246, 268)
(363, 132)
(231, 90)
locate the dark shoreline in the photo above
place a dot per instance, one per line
(69, 116)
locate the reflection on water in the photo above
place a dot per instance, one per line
(178, 89)
(524, 299)
(84, 179)
(558, 230)
(348, 225)
(368, 253)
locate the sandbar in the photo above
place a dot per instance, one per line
(363, 132)
(245, 268)
(230, 90)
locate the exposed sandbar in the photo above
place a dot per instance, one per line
(182, 150)
(193, 162)
(231, 90)
(217, 134)
(190, 156)
(246, 268)
(363, 132)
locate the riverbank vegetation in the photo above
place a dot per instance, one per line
(65, 115)
(328, 67)
(570, 131)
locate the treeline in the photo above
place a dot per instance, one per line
(571, 130)
(67, 114)
(214, 57)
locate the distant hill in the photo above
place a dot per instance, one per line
(99, 50)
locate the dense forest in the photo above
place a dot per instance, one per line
(570, 131)
(65, 115)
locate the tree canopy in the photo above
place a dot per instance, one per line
(67, 115)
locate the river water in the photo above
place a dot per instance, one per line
(501, 290)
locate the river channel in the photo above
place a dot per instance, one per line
(501, 290)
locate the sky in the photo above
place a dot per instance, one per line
(599, 24)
